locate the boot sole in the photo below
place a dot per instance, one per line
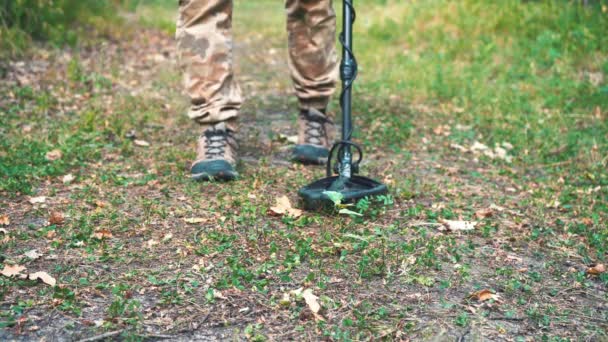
(213, 170)
(310, 154)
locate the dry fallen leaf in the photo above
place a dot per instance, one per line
(102, 234)
(12, 270)
(45, 277)
(514, 258)
(311, 300)
(496, 207)
(597, 269)
(477, 146)
(459, 225)
(57, 218)
(484, 295)
(33, 254)
(141, 143)
(217, 294)
(283, 207)
(484, 213)
(195, 220)
(53, 155)
(4, 220)
(459, 148)
(37, 200)
(442, 130)
(67, 179)
(101, 204)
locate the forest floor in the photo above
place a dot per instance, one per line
(468, 245)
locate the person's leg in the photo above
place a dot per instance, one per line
(313, 62)
(205, 51)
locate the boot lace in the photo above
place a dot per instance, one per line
(315, 129)
(216, 142)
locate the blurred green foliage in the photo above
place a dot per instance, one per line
(57, 21)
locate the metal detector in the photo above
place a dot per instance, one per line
(351, 186)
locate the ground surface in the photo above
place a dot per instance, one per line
(140, 252)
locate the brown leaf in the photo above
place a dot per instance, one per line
(102, 234)
(45, 277)
(484, 295)
(597, 269)
(12, 270)
(283, 207)
(442, 130)
(54, 155)
(4, 220)
(101, 204)
(514, 258)
(57, 218)
(484, 213)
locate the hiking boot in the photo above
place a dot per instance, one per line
(216, 154)
(314, 136)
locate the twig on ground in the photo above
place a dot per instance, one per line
(461, 338)
(103, 336)
(424, 224)
(159, 336)
(505, 318)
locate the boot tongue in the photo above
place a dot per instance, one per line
(220, 126)
(316, 115)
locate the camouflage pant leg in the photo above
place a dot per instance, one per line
(205, 51)
(311, 26)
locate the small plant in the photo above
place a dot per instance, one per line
(66, 299)
(124, 308)
(462, 319)
(337, 198)
(254, 334)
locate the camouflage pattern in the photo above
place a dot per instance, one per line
(205, 50)
(311, 27)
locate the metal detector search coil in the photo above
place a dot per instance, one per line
(351, 186)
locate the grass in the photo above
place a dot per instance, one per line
(144, 252)
(59, 23)
(524, 73)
